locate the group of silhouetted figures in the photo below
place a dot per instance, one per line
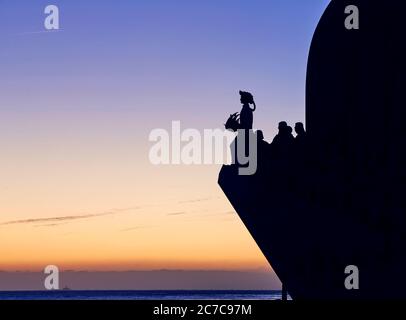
(284, 145)
(285, 139)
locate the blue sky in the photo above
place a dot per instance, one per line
(177, 58)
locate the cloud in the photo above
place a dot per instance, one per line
(195, 200)
(226, 213)
(49, 225)
(229, 212)
(54, 221)
(176, 213)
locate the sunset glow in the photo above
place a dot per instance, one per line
(76, 109)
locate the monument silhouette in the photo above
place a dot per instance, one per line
(334, 197)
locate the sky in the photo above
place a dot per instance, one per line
(77, 105)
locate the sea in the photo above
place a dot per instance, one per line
(140, 295)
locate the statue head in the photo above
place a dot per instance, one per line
(299, 128)
(246, 97)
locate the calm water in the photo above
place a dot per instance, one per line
(140, 295)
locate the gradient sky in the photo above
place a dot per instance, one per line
(76, 107)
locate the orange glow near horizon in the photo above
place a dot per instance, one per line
(105, 207)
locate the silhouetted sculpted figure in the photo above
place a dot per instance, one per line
(284, 137)
(300, 134)
(261, 140)
(281, 155)
(279, 137)
(242, 121)
(262, 150)
(246, 115)
(290, 134)
(233, 124)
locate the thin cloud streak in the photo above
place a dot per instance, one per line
(48, 221)
(224, 213)
(176, 213)
(50, 225)
(196, 200)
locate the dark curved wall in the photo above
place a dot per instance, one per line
(355, 83)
